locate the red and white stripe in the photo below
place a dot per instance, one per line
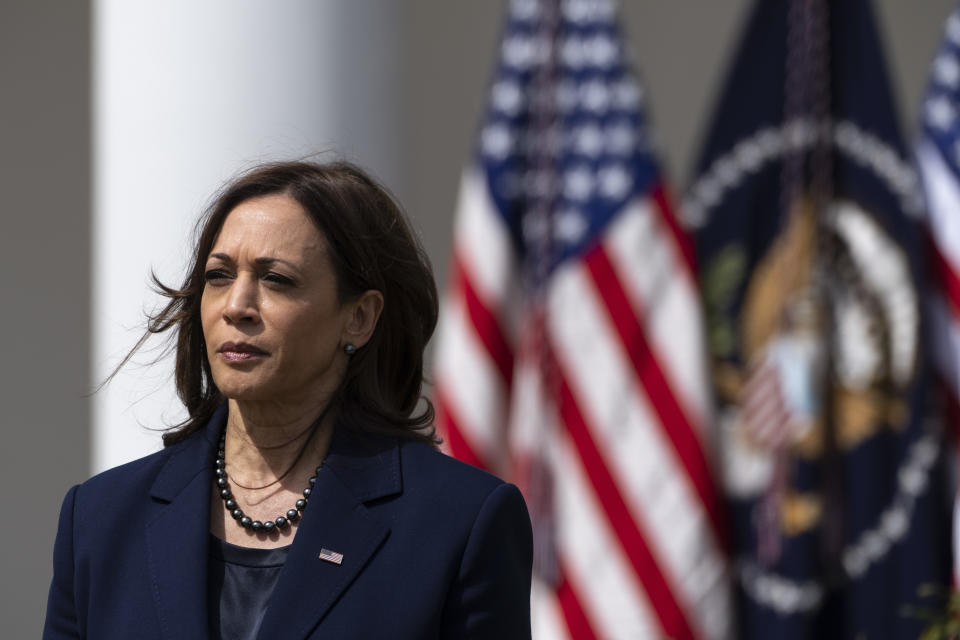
(622, 422)
(474, 357)
(943, 217)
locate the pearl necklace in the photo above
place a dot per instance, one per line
(281, 522)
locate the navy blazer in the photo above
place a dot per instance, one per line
(432, 548)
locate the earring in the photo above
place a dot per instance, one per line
(349, 349)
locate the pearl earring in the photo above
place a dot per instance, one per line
(349, 349)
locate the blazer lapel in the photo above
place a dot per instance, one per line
(178, 535)
(338, 526)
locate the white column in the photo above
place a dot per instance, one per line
(187, 94)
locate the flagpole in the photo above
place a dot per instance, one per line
(538, 235)
(816, 25)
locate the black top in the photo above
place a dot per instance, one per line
(240, 582)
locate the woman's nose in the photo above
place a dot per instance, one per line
(242, 304)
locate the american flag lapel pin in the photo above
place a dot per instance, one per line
(331, 556)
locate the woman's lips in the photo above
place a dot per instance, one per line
(240, 352)
(239, 356)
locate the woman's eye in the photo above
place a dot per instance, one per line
(215, 275)
(276, 278)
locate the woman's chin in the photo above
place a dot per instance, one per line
(244, 390)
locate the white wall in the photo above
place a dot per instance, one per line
(185, 95)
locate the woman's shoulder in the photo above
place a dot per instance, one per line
(442, 480)
(137, 476)
(378, 463)
(471, 503)
(420, 460)
(127, 473)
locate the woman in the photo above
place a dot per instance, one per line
(303, 497)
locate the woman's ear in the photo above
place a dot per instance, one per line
(364, 314)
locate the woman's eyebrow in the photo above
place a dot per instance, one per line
(261, 261)
(269, 261)
(221, 256)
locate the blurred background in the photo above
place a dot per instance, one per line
(119, 120)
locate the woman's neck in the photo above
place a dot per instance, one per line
(264, 442)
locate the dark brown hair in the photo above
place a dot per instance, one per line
(371, 246)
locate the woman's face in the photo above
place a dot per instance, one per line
(273, 326)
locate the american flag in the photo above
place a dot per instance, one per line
(570, 356)
(938, 158)
(331, 556)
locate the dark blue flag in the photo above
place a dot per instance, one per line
(808, 244)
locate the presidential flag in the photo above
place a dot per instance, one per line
(938, 158)
(808, 244)
(570, 356)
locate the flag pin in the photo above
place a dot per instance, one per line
(331, 556)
